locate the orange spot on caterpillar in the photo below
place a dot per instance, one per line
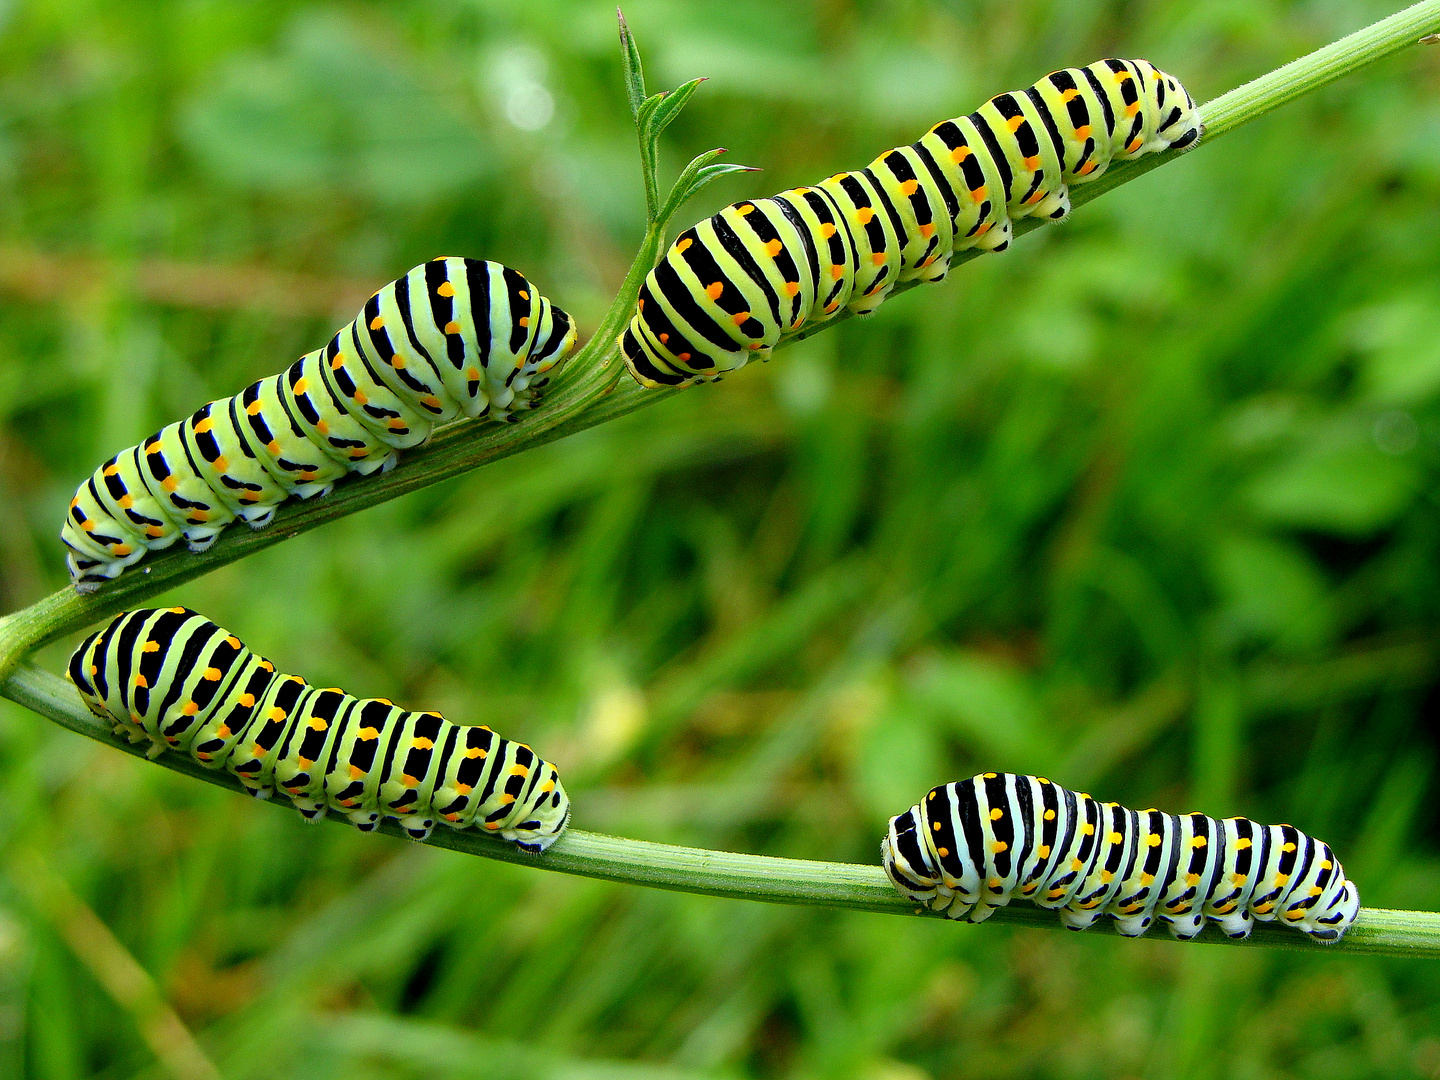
(714, 289)
(445, 289)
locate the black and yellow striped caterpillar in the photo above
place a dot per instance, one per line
(174, 679)
(972, 846)
(453, 337)
(733, 287)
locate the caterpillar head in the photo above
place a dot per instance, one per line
(1177, 124)
(907, 859)
(549, 815)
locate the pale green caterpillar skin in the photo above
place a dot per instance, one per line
(174, 679)
(974, 845)
(452, 338)
(735, 286)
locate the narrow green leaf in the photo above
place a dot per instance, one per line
(696, 176)
(634, 73)
(669, 108)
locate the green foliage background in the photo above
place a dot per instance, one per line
(1146, 504)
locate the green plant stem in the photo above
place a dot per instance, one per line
(589, 390)
(1378, 931)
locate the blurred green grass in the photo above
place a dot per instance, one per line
(1145, 504)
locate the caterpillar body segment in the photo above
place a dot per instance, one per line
(173, 679)
(452, 338)
(752, 276)
(974, 845)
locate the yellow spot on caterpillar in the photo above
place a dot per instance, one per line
(909, 187)
(1316, 890)
(140, 681)
(1049, 815)
(773, 248)
(1088, 830)
(337, 363)
(1115, 838)
(169, 483)
(476, 753)
(1015, 123)
(1192, 879)
(996, 813)
(1107, 876)
(366, 734)
(397, 362)
(150, 646)
(463, 789)
(960, 154)
(1076, 864)
(1132, 108)
(684, 245)
(998, 846)
(422, 743)
(827, 230)
(300, 386)
(506, 799)
(865, 214)
(1198, 841)
(1287, 847)
(1043, 851)
(1069, 96)
(935, 825)
(445, 289)
(212, 674)
(1282, 879)
(318, 723)
(276, 713)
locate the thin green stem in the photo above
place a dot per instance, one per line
(1378, 931)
